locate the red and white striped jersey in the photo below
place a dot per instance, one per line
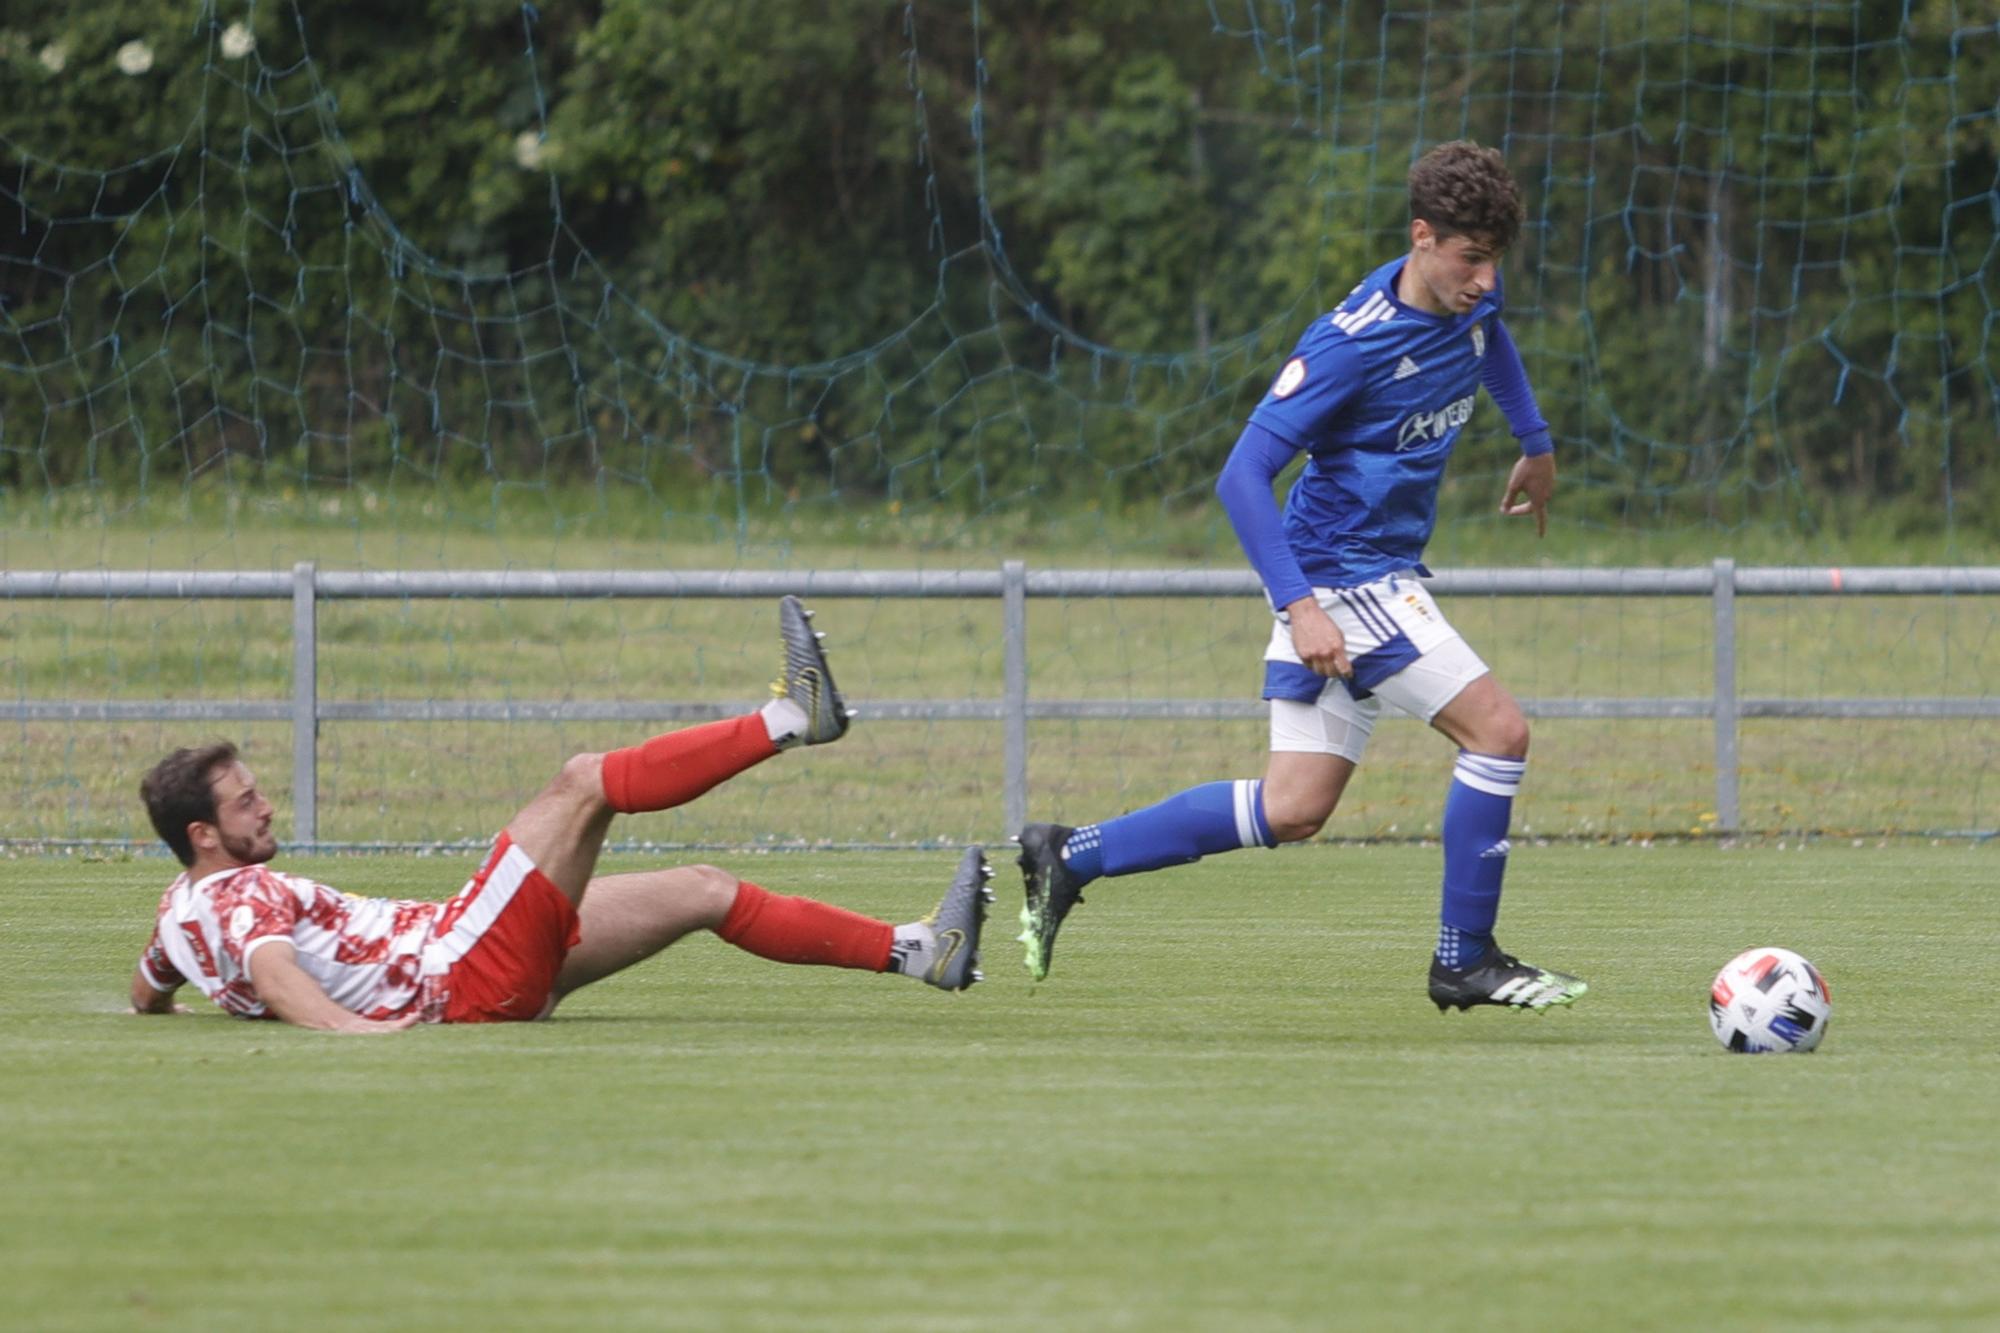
(366, 953)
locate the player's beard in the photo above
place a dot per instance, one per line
(252, 850)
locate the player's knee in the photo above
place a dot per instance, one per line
(1511, 736)
(1296, 828)
(715, 889)
(1502, 733)
(1295, 820)
(581, 774)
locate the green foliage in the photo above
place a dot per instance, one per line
(777, 257)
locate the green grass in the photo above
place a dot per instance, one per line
(446, 782)
(217, 519)
(1230, 1107)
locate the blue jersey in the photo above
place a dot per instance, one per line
(1376, 394)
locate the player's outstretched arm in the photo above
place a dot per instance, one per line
(150, 999)
(290, 992)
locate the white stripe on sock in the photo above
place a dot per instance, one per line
(1495, 777)
(1246, 822)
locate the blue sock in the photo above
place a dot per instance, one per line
(1084, 852)
(1214, 817)
(1477, 810)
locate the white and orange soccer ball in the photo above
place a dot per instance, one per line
(1769, 1000)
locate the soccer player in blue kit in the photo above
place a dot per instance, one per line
(1376, 394)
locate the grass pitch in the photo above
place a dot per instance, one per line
(1229, 1107)
(441, 781)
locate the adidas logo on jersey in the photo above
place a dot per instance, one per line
(1406, 368)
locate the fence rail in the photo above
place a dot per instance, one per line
(1013, 583)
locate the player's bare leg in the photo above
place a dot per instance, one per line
(625, 919)
(1301, 791)
(562, 829)
(1485, 719)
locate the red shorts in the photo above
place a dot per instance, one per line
(495, 951)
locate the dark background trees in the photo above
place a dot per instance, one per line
(805, 252)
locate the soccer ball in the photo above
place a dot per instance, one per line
(1769, 1000)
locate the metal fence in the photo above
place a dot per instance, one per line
(1013, 583)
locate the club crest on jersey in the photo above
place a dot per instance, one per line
(1290, 378)
(1424, 427)
(240, 921)
(1479, 339)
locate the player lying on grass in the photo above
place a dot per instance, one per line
(1375, 394)
(535, 923)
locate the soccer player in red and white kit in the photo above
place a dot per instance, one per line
(534, 923)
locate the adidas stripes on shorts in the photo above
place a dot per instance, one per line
(1403, 651)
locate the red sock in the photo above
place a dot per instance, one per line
(675, 768)
(804, 930)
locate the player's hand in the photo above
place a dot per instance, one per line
(356, 1025)
(1317, 640)
(1533, 479)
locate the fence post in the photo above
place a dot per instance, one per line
(305, 703)
(1727, 813)
(1014, 628)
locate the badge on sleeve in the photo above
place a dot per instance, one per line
(1290, 378)
(1479, 339)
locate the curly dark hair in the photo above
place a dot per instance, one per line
(180, 791)
(1462, 189)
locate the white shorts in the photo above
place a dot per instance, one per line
(1403, 650)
